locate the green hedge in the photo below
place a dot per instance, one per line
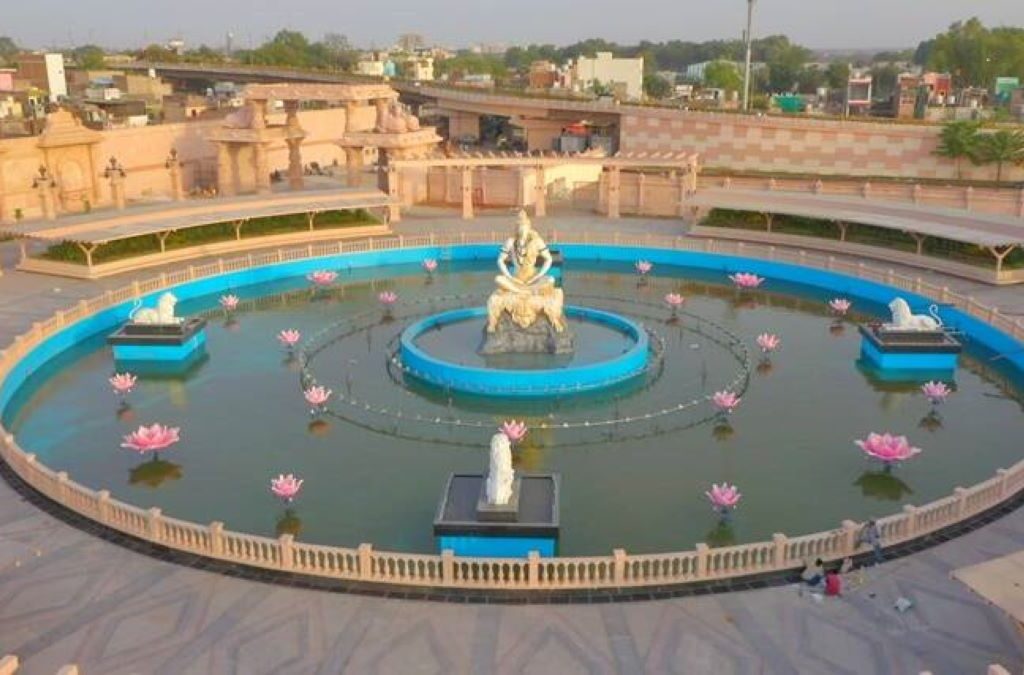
(862, 234)
(257, 227)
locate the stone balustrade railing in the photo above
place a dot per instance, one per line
(617, 570)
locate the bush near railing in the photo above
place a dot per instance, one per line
(618, 570)
(858, 233)
(207, 234)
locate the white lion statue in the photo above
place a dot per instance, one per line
(500, 474)
(904, 319)
(163, 313)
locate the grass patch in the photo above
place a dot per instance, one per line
(868, 235)
(208, 234)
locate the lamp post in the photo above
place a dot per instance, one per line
(746, 69)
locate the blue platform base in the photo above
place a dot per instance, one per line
(531, 524)
(901, 355)
(524, 383)
(498, 546)
(185, 351)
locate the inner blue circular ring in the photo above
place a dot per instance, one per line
(524, 383)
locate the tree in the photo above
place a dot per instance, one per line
(810, 79)
(723, 75)
(883, 80)
(958, 141)
(975, 55)
(89, 57)
(656, 86)
(8, 48)
(158, 54)
(1000, 148)
(837, 75)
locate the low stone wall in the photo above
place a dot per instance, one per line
(615, 571)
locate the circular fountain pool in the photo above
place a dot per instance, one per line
(635, 458)
(442, 350)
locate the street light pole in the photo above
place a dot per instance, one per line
(746, 70)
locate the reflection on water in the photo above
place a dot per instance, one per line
(883, 485)
(723, 430)
(931, 422)
(154, 473)
(288, 523)
(721, 535)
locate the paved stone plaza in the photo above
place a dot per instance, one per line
(67, 596)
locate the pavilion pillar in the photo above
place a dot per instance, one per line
(520, 187)
(45, 185)
(353, 165)
(448, 196)
(115, 174)
(467, 192)
(393, 178)
(295, 136)
(225, 172)
(641, 188)
(173, 166)
(681, 194)
(381, 104)
(295, 177)
(613, 186)
(262, 168)
(540, 193)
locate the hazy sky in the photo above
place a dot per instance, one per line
(816, 23)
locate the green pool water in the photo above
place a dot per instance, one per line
(376, 477)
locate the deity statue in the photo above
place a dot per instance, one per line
(500, 474)
(527, 296)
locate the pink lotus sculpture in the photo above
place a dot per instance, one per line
(388, 298)
(935, 392)
(123, 383)
(888, 448)
(229, 302)
(746, 281)
(643, 267)
(286, 487)
(153, 438)
(725, 401)
(289, 338)
(317, 396)
(839, 306)
(514, 430)
(322, 277)
(429, 265)
(768, 342)
(674, 300)
(724, 498)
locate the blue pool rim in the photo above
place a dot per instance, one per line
(979, 333)
(537, 383)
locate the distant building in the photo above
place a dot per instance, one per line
(696, 72)
(7, 79)
(858, 94)
(43, 71)
(176, 45)
(625, 77)
(542, 75)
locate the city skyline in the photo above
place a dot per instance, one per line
(830, 25)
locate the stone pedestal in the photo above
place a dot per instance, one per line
(539, 338)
